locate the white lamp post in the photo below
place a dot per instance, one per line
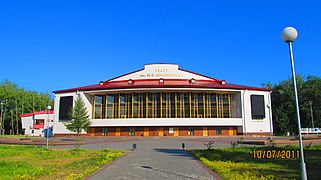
(289, 34)
(48, 113)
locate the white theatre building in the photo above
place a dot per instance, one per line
(165, 100)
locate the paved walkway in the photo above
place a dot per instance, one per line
(155, 159)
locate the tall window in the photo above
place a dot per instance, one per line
(65, 105)
(100, 106)
(162, 105)
(180, 105)
(194, 111)
(153, 105)
(257, 106)
(139, 105)
(150, 103)
(213, 106)
(125, 105)
(224, 106)
(187, 105)
(142, 105)
(110, 106)
(173, 108)
(166, 105)
(136, 103)
(200, 105)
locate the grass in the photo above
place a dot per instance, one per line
(17, 136)
(31, 162)
(239, 163)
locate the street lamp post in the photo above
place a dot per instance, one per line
(48, 115)
(289, 34)
(310, 102)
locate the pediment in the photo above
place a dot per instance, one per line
(164, 71)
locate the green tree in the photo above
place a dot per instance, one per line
(283, 105)
(79, 120)
(16, 101)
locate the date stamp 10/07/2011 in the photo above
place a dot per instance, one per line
(276, 154)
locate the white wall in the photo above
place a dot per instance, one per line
(27, 124)
(256, 125)
(59, 126)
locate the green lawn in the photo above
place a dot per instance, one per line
(30, 162)
(239, 163)
(17, 136)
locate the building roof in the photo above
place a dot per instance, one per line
(161, 76)
(36, 113)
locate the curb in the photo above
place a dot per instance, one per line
(105, 166)
(208, 170)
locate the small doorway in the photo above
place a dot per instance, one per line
(176, 131)
(190, 131)
(117, 131)
(146, 131)
(230, 131)
(161, 131)
(132, 131)
(92, 131)
(205, 131)
(105, 131)
(218, 130)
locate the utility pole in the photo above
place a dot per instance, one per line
(310, 102)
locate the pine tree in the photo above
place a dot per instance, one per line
(79, 120)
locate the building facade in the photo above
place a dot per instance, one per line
(34, 123)
(165, 100)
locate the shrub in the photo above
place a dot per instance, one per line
(209, 145)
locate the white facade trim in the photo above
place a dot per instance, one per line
(167, 122)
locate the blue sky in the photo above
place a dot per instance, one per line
(61, 44)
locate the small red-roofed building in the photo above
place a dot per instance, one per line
(165, 100)
(34, 123)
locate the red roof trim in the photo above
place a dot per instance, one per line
(36, 113)
(168, 83)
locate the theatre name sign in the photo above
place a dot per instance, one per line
(162, 73)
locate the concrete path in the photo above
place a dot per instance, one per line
(155, 159)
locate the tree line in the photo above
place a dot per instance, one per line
(283, 104)
(15, 101)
